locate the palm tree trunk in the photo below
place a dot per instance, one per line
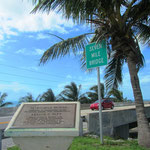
(143, 125)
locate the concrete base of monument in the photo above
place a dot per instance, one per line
(43, 143)
(42, 139)
(45, 126)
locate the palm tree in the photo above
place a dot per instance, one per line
(48, 96)
(29, 98)
(72, 93)
(117, 95)
(2, 99)
(93, 93)
(120, 23)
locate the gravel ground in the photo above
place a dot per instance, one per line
(8, 142)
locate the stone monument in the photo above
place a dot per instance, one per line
(45, 125)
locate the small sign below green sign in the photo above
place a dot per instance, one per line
(96, 54)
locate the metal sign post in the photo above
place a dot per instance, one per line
(0, 139)
(100, 106)
(96, 55)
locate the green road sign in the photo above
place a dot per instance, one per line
(96, 54)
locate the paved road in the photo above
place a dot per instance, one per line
(4, 121)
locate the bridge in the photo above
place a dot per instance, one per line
(116, 122)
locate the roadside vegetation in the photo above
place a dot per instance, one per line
(91, 143)
(2, 100)
(73, 92)
(47, 96)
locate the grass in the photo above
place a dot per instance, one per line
(91, 143)
(14, 148)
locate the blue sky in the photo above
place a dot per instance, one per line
(23, 39)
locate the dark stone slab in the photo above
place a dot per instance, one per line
(46, 116)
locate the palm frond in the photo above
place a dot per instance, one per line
(138, 56)
(71, 45)
(39, 98)
(2, 99)
(117, 95)
(60, 98)
(79, 10)
(113, 72)
(6, 104)
(27, 98)
(71, 92)
(143, 33)
(139, 12)
(48, 96)
(44, 5)
(93, 93)
(3, 96)
(56, 36)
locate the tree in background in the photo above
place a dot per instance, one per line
(2, 99)
(117, 95)
(71, 92)
(119, 22)
(48, 96)
(93, 93)
(29, 98)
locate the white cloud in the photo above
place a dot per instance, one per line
(31, 36)
(42, 36)
(26, 52)
(4, 42)
(69, 77)
(1, 36)
(1, 53)
(145, 79)
(31, 68)
(60, 87)
(15, 16)
(21, 51)
(38, 52)
(14, 86)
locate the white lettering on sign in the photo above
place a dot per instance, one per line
(96, 61)
(96, 54)
(95, 47)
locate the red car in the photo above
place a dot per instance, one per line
(105, 104)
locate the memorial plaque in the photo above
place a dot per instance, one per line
(46, 116)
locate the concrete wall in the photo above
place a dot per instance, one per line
(114, 122)
(117, 104)
(7, 111)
